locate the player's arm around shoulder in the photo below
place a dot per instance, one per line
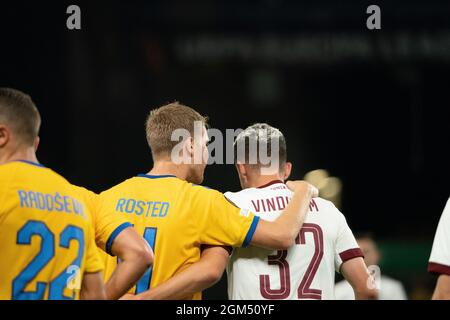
(281, 233)
(218, 221)
(221, 223)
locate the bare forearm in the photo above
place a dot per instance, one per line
(179, 287)
(84, 295)
(136, 257)
(437, 295)
(92, 287)
(369, 294)
(196, 278)
(359, 277)
(442, 290)
(124, 277)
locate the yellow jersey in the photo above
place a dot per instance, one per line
(176, 218)
(107, 224)
(46, 235)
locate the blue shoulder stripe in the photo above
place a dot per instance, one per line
(251, 231)
(114, 235)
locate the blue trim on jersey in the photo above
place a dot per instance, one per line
(142, 175)
(32, 163)
(114, 235)
(251, 231)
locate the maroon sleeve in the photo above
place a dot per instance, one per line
(437, 268)
(350, 254)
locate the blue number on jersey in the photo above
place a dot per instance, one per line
(144, 283)
(56, 290)
(46, 253)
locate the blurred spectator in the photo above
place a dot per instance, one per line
(390, 289)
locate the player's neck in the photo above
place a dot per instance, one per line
(258, 181)
(27, 154)
(169, 168)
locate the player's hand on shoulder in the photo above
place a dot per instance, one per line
(300, 185)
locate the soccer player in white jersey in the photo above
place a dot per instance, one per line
(439, 262)
(324, 245)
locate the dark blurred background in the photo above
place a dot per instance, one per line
(370, 107)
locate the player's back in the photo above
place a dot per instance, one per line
(307, 269)
(176, 218)
(46, 236)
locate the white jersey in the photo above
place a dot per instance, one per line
(390, 289)
(440, 254)
(307, 269)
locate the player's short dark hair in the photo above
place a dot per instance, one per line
(163, 121)
(19, 113)
(261, 133)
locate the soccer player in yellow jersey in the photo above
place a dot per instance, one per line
(115, 236)
(178, 217)
(47, 246)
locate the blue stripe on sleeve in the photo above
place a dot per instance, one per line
(114, 235)
(251, 231)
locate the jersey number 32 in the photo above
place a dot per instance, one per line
(304, 291)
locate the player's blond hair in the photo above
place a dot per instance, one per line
(20, 114)
(163, 121)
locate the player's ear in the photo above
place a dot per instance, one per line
(242, 170)
(4, 136)
(189, 147)
(287, 170)
(36, 143)
(243, 174)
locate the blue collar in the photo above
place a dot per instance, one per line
(32, 163)
(142, 175)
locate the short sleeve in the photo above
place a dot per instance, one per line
(107, 223)
(219, 221)
(346, 246)
(439, 262)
